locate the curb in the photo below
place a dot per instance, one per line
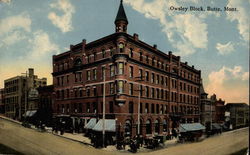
(70, 139)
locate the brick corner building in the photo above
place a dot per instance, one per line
(135, 75)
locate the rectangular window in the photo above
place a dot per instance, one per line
(111, 107)
(80, 91)
(62, 79)
(88, 107)
(152, 78)
(120, 86)
(162, 80)
(146, 76)
(131, 107)
(146, 91)
(94, 90)
(103, 72)
(131, 71)
(131, 53)
(111, 85)
(157, 93)
(147, 60)
(67, 78)
(67, 93)
(152, 108)
(111, 51)
(152, 92)
(88, 75)
(157, 79)
(140, 74)
(120, 68)
(146, 108)
(141, 57)
(112, 70)
(130, 89)
(140, 90)
(94, 74)
(58, 81)
(95, 56)
(88, 91)
(76, 78)
(103, 53)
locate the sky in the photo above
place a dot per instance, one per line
(215, 42)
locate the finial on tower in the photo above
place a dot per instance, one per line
(121, 20)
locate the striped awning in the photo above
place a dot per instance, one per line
(110, 125)
(90, 124)
(191, 127)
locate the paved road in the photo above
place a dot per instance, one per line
(29, 141)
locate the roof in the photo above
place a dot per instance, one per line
(90, 124)
(191, 127)
(202, 91)
(121, 15)
(110, 125)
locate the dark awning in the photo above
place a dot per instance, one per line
(30, 113)
(90, 124)
(110, 125)
(191, 127)
(216, 126)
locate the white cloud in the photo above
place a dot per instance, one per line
(42, 45)
(11, 23)
(14, 29)
(5, 1)
(13, 38)
(63, 22)
(225, 49)
(241, 16)
(186, 32)
(229, 84)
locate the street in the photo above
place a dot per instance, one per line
(29, 141)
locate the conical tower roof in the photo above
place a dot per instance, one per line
(121, 15)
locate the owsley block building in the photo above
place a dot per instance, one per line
(127, 74)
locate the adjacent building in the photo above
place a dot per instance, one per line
(16, 93)
(2, 109)
(207, 109)
(136, 81)
(238, 114)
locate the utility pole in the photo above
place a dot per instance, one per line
(139, 102)
(103, 110)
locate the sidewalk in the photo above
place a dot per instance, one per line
(75, 137)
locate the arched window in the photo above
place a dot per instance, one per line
(157, 126)
(78, 62)
(128, 128)
(121, 46)
(148, 127)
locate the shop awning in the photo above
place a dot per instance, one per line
(110, 125)
(191, 127)
(90, 124)
(216, 126)
(30, 113)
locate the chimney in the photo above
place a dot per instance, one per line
(136, 37)
(31, 72)
(186, 63)
(155, 46)
(83, 45)
(71, 47)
